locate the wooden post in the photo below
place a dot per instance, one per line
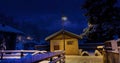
(21, 54)
(59, 57)
(106, 55)
(51, 59)
(1, 56)
(64, 59)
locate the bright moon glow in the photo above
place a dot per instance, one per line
(64, 18)
(29, 38)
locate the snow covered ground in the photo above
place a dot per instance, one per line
(81, 59)
(84, 59)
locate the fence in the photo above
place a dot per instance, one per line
(111, 57)
(34, 57)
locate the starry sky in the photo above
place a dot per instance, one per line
(46, 14)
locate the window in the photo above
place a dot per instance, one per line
(69, 42)
(56, 47)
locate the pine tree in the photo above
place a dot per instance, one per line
(103, 20)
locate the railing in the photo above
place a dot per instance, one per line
(4, 52)
(111, 57)
(53, 56)
(34, 57)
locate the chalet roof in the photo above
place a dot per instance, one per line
(65, 32)
(5, 28)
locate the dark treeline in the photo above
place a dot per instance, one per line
(103, 20)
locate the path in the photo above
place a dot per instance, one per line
(81, 59)
(84, 59)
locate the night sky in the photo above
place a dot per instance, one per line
(46, 14)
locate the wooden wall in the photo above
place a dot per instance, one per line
(72, 49)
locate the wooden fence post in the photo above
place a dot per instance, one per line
(21, 54)
(59, 57)
(51, 59)
(1, 56)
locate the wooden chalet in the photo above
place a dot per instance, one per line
(64, 40)
(8, 36)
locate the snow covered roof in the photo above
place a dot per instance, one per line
(65, 32)
(6, 28)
